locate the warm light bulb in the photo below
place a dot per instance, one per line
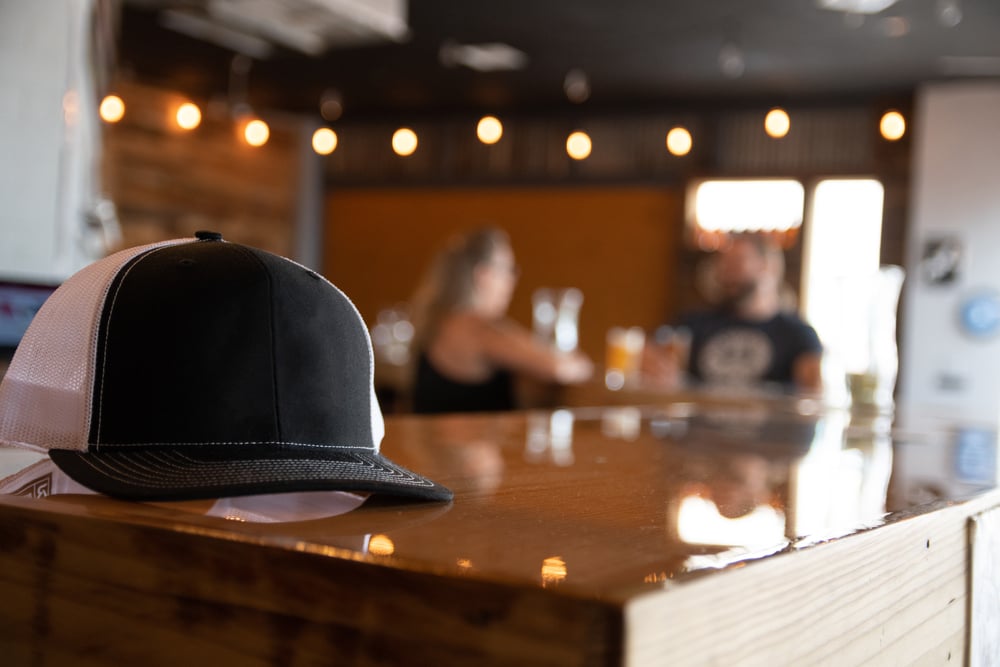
(489, 130)
(777, 123)
(256, 133)
(188, 116)
(112, 109)
(578, 145)
(324, 141)
(679, 141)
(404, 141)
(892, 125)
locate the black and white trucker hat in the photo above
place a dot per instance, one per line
(198, 368)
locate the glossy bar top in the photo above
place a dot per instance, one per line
(598, 502)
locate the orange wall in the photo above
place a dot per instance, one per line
(616, 244)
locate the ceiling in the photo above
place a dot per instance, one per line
(632, 53)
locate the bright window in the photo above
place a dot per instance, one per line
(843, 243)
(747, 205)
(841, 254)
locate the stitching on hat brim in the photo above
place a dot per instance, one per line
(106, 446)
(145, 475)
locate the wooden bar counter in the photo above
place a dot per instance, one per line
(681, 533)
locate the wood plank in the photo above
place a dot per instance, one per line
(539, 560)
(167, 183)
(91, 591)
(984, 630)
(897, 594)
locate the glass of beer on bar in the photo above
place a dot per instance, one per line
(623, 356)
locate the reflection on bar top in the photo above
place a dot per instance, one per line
(600, 501)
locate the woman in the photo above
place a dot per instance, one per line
(467, 350)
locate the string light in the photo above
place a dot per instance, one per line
(489, 130)
(256, 133)
(404, 141)
(188, 116)
(324, 141)
(679, 141)
(112, 109)
(578, 145)
(892, 126)
(777, 123)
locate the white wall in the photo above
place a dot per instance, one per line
(48, 138)
(945, 373)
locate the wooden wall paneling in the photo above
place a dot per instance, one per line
(168, 183)
(615, 244)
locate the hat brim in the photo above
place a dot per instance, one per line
(191, 473)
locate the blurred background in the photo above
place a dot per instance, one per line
(617, 143)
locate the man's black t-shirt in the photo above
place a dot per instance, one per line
(729, 350)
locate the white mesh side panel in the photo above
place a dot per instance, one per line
(46, 394)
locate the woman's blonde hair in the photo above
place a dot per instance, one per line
(449, 284)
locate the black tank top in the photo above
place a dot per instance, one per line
(434, 393)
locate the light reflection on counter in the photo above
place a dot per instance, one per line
(700, 522)
(553, 571)
(729, 557)
(623, 423)
(381, 545)
(841, 482)
(549, 438)
(630, 497)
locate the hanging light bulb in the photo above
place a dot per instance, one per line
(489, 129)
(324, 141)
(404, 141)
(112, 109)
(578, 145)
(188, 116)
(777, 123)
(892, 126)
(679, 141)
(256, 132)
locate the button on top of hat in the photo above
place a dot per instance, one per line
(203, 235)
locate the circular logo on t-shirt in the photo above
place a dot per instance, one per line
(738, 356)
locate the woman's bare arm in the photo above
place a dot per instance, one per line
(508, 345)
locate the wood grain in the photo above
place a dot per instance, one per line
(98, 592)
(167, 183)
(553, 553)
(892, 595)
(984, 586)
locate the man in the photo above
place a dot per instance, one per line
(748, 339)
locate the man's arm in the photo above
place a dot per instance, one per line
(807, 373)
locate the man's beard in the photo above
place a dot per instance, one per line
(735, 296)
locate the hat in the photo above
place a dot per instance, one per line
(198, 368)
